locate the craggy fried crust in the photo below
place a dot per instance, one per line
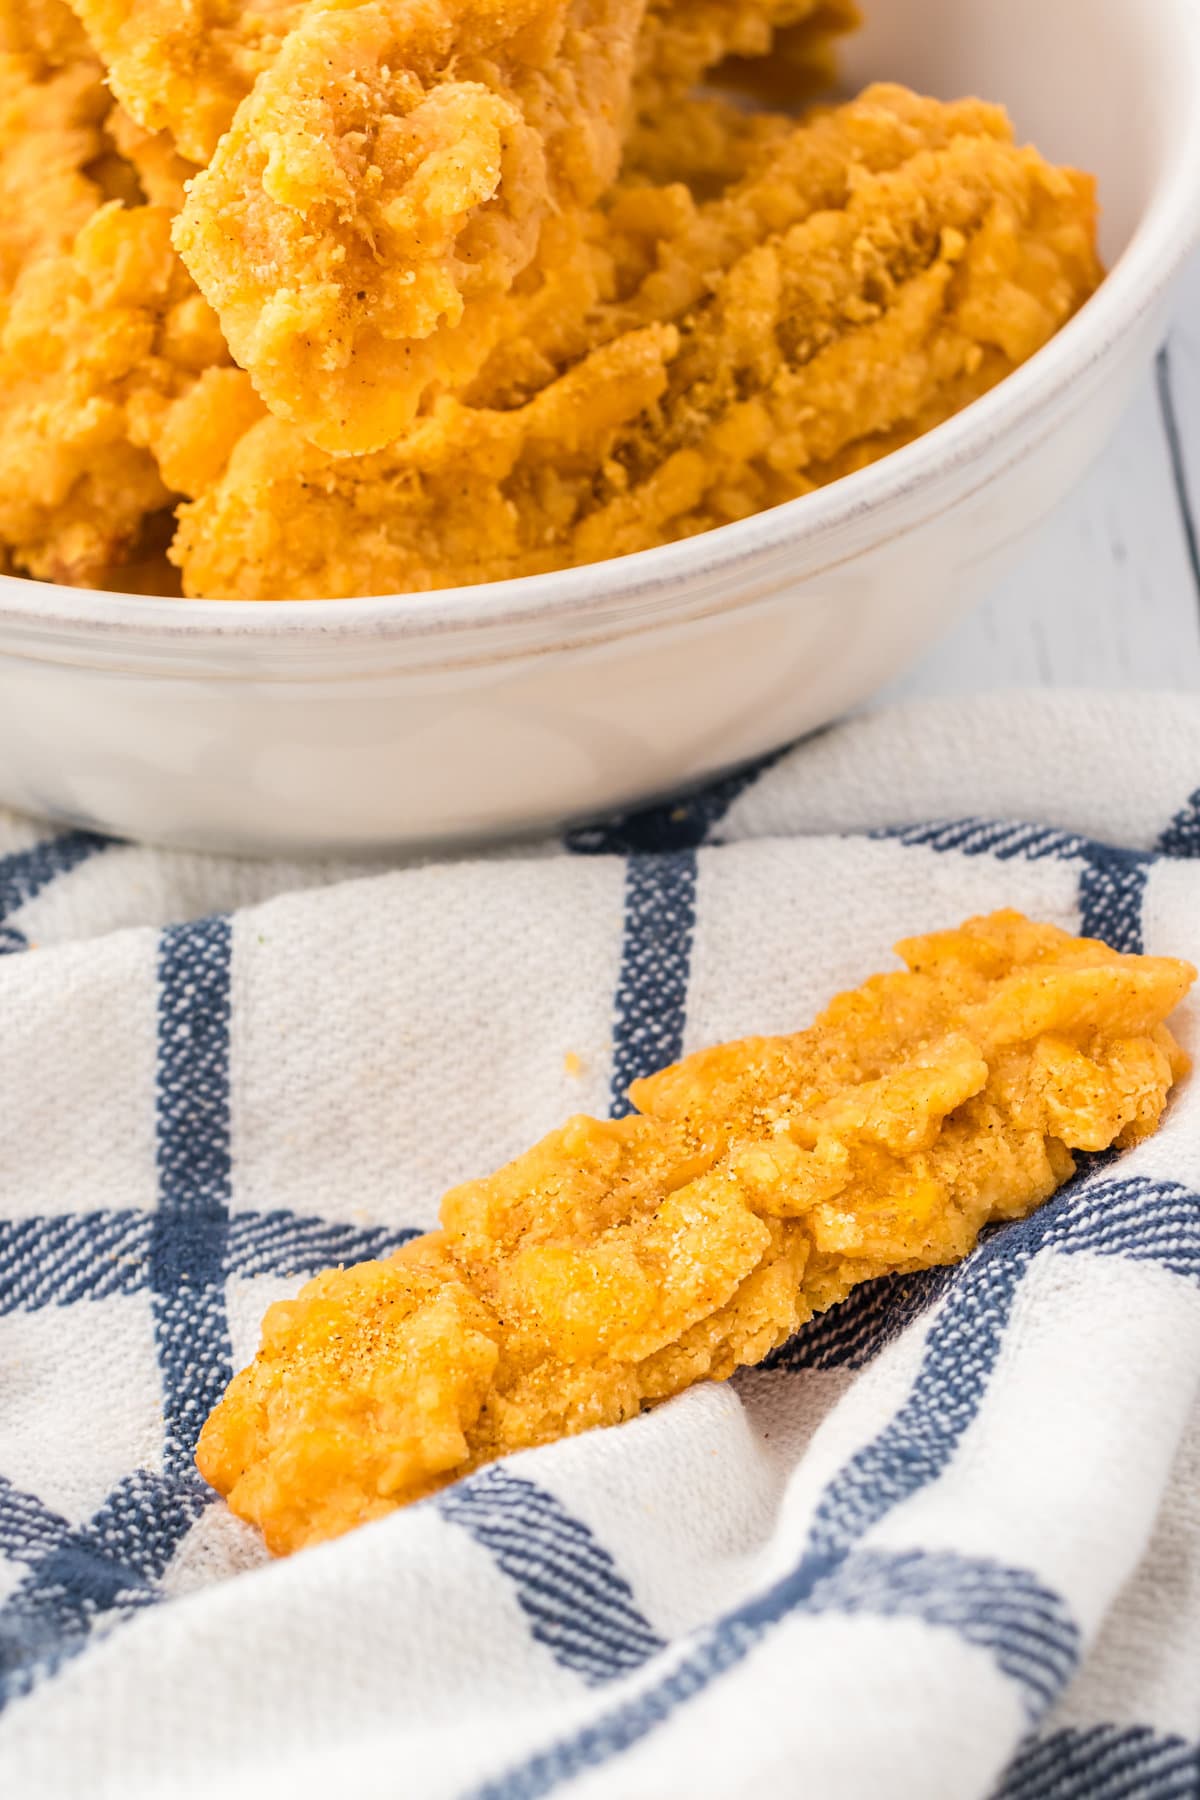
(395, 163)
(618, 1262)
(162, 174)
(386, 183)
(184, 69)
(46, 31)
(115, 389)
(113, 395)
(781, 53)
(400, 236)
(706, 141)
(885, 264)
(682, 40)
(52, 108)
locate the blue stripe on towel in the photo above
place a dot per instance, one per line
(101, 1571)
(191, 1225)
(680, 824)
(1112, 889)
(110, 1566)
(25, 873)
(660, 845)
(1103, 1762)
(1001, 838)
(1112, 882)
(286, 1244)
(1005, 1611)
(56, 1259)
(1137, 1218)
(656, 952)
(578, 1604)
(851, 1334)
(1181, 839)
(28, 1527)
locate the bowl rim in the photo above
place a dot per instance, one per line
(571, 599)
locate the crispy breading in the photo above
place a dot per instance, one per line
(618, 1262)
(162, 174)
(779, 53)
(52, 108)
(385, 184)
(136, 165)
(101, 330)
(184, 69)
(801, 66)
(706, 141)
(394, 166)
(683, 40)
(650, 254)
(47, 31)
(101, 345)
(794, 328)
(401, 221)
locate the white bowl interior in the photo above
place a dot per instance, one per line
(1095, 83)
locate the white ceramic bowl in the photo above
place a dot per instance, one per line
(356, 725)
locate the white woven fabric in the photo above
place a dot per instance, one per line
(947, 1546)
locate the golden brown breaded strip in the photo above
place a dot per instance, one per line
(801, 67)
(343, 297)
(100, 346)
(645, 259)
(618, 1262)
(385, 184)
(52, 108)
(136, 165)
(162, 174)
(102, 333)
(840, 339)
(683, 40)
(704, 141)
(184, 69)
(743, 369)
(45, 30)
(652, 253)
(775, 53)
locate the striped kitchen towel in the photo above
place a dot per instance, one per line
(945, 1544)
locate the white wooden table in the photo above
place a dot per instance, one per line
(1109, 596)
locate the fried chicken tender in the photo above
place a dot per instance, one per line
(705, 141)
(184, 69)
(115, 395)
(618, 1262)
(108, 357)
(384, 185)
(161, 173)
(52, 109)
(390, 175)
(651, 254)
(46, 31)
(785, 47)
(886, 264)
(684, 40)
